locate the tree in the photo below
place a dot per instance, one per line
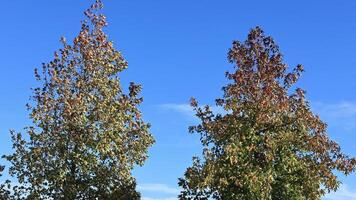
(268, 144)
(87, 132)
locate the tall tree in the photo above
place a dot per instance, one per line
(87, 132)
(269, 144)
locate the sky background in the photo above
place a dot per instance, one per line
(178, 49)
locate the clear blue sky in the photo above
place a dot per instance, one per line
(177, 49)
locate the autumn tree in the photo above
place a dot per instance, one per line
(87, 132)
(268, 144)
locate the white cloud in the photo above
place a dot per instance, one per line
(341, 115)
(336, 110)
(187, 110)
(158, 188)
(342, 194)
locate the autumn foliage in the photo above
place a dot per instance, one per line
(87, 133)
(269, 144)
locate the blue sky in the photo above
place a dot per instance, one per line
(177, 49)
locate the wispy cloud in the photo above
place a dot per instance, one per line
(158, 188)
(187, 110)
(336, 110)
(342, 194)
(342, 114)
(184, 109)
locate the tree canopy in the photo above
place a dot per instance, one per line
(87, 133)
(268, 144)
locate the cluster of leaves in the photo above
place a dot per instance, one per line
(4, 187)
(87, 133)
(269, 144)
